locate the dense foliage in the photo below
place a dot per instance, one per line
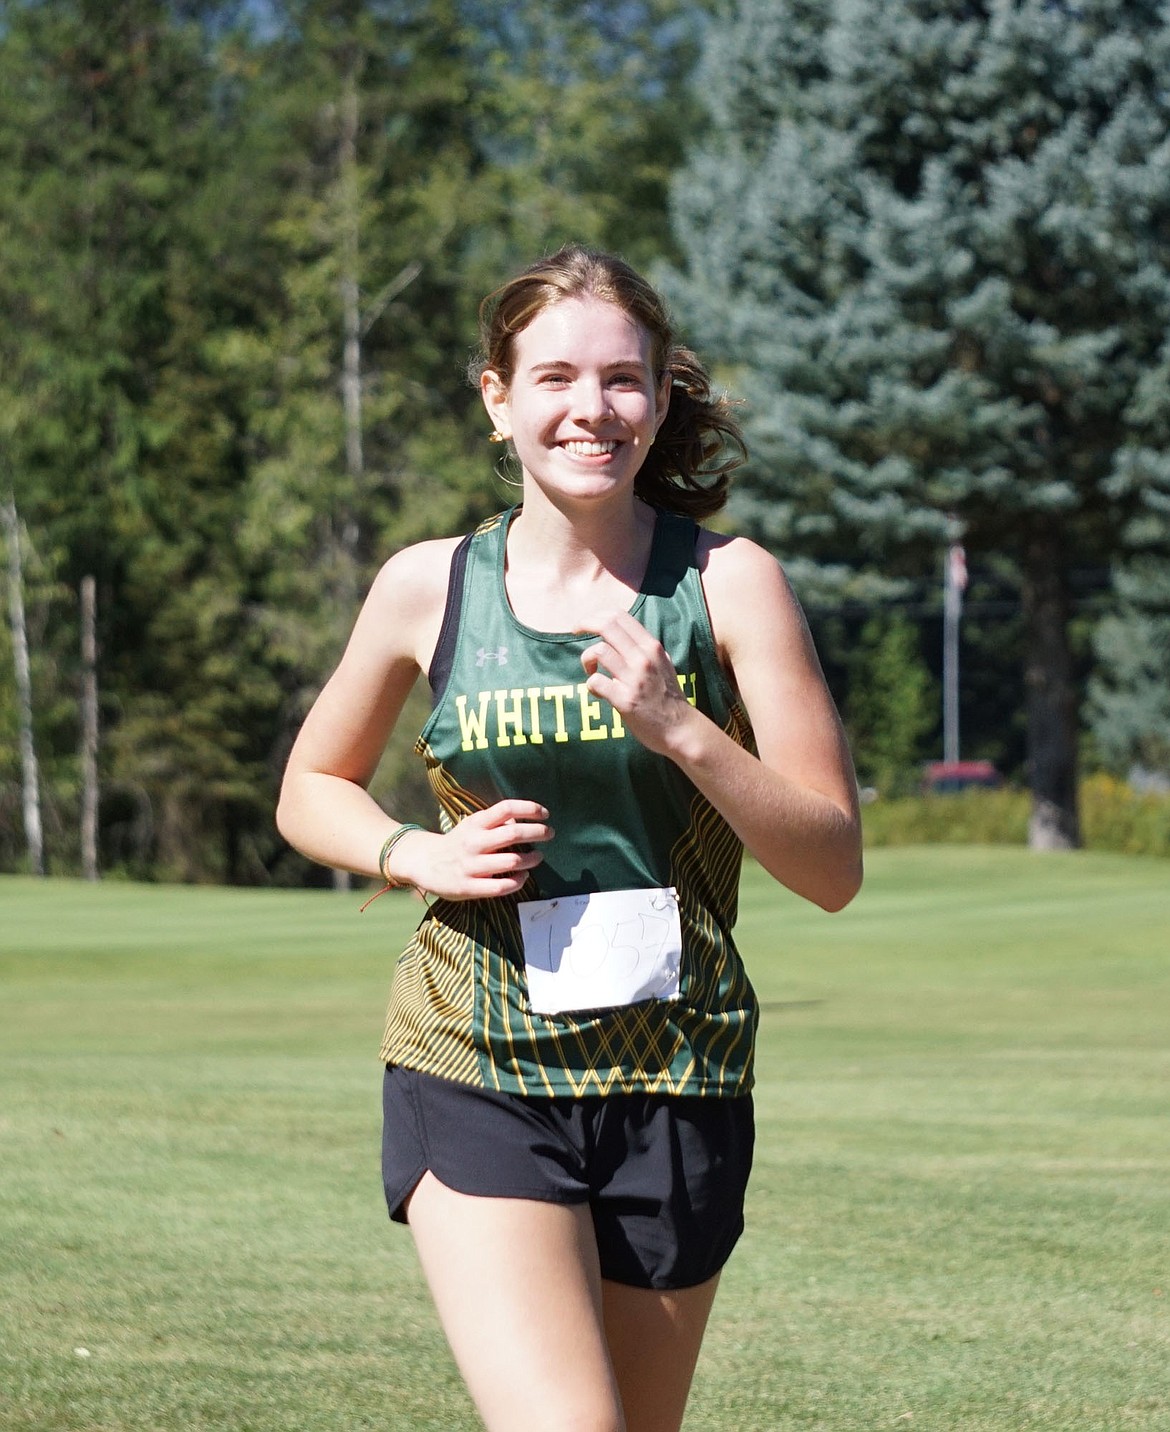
(930, 242)
(242, 251)
(1129, 695)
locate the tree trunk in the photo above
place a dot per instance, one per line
(89, 730)
(351, 318)
(1050, 694)
(30, 775)
(351, 359)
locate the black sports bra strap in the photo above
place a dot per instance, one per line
(448, 634)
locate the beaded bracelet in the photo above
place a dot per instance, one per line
(392, 883)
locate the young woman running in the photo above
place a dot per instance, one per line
(622, 701)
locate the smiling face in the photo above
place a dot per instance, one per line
(583, 404)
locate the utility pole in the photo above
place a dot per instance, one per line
(954, 585)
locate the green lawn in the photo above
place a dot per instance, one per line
(959, 1219)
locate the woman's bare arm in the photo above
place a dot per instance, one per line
(795, 805)
(325, 809)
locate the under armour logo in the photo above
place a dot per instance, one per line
(499, 656)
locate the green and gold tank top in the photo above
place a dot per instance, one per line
(512, 717)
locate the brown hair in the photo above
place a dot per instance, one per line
(688, 469)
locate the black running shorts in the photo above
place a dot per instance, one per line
(664, 1175)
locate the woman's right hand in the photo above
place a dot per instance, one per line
(476, 859)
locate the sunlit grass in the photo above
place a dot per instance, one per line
(957, 1218)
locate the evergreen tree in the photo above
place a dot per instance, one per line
(1129, 694)
(892, 706)
(929, 241)
(429, 149)
(123, 445)
(241, 260)
(581, 109)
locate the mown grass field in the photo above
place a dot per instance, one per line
(959, 1219)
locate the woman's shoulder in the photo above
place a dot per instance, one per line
(419, 572)
(754, 611)
(403, 612)
(736, 562)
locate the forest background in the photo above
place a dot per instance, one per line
(241, 251)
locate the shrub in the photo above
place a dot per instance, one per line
(970, 817)
(1113, 817)
(1116, 817)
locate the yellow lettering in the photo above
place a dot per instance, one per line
(534, 733)
(590, 712)
(559, 694)
(473, 724)
(510, 716)
(693, 698)
(616, 728)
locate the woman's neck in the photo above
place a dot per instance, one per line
(564, 569)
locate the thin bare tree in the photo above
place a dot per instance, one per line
(30, 776)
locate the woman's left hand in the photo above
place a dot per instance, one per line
(630, 669)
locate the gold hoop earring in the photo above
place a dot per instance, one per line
(497, 437)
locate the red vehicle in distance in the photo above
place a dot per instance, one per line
(949, 777)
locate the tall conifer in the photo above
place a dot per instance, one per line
(933, 239)
(123, 444)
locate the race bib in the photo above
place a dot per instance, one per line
(599, 951)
